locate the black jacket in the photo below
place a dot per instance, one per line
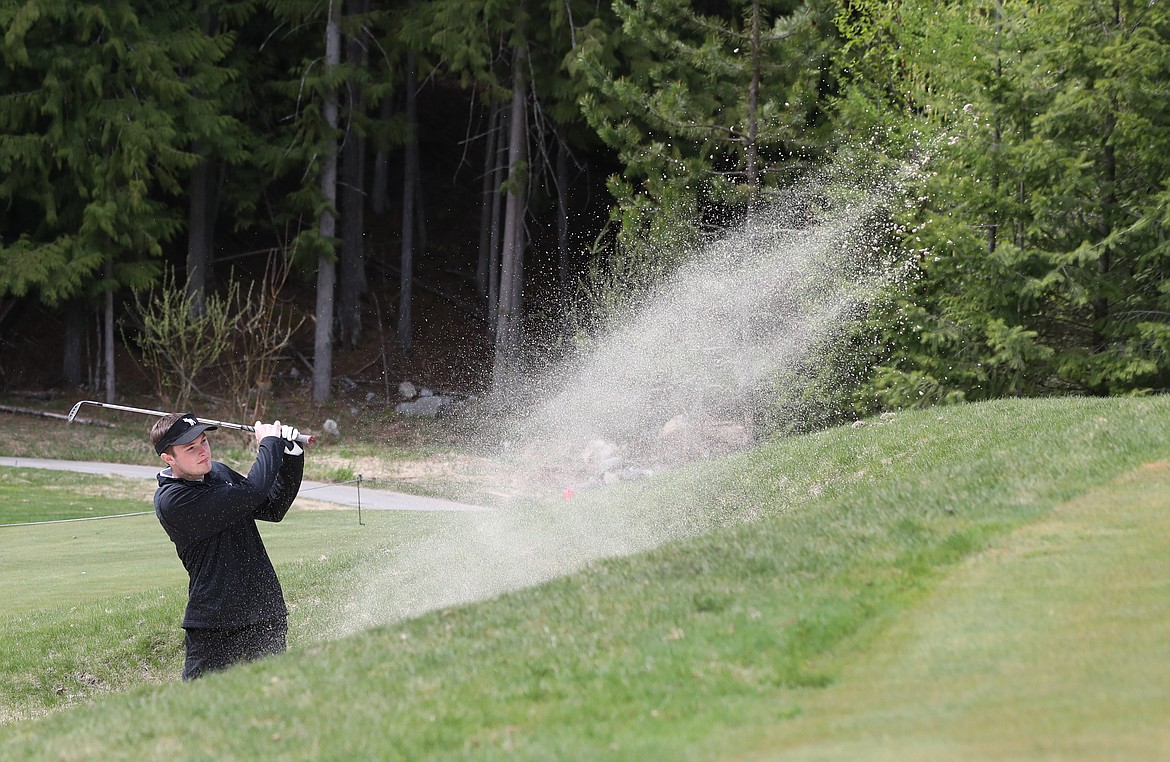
(213, 525)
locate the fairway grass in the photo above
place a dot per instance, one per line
(981, 581)
(93, 607)
(1053, 644)
(28, 495)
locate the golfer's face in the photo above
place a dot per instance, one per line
(193, 460)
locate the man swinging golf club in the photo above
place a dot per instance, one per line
(235, 608)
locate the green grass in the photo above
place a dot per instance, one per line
(30, 495)
(795, 600)
(1056, 638)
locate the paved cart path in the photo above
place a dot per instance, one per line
(339, 494)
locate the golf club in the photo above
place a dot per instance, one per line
(302, 438)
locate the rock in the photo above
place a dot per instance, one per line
(675, 425)
(597, 451)
(601, 456)
(407, 390)
(424, 407)
(330, 428)
(609, 464)
(688, 437)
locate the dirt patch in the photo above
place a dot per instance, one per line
(441, 473)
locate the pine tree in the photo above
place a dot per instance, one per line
(352, 270)
(222, 141)
(97, 118)
(299, 153)
(99, 108)
(1037, 236)
(1099, 157)
(517, 57)
(708, 107)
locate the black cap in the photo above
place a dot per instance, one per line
(183, 431)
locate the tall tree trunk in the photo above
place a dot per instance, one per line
(203, 194)
(326, 266)
(494, 245)
(521, 238)
(201, 191)
(420, 207)
(996, 137)
(94, 369)
(409, 180)
(485, 210)
(751, 152)
(353, 259)
(1108, 209)
(512, 256)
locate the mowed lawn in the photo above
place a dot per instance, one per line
(46, 565)
(92, 591)
(1054, 644)
(977, 582)
(61, 563)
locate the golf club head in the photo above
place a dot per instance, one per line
(73, 412)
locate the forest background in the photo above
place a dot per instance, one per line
(455, 191)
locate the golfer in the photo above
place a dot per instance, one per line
(235, 608)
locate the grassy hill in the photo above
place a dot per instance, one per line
(983, 581)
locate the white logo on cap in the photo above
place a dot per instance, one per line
(191, 421)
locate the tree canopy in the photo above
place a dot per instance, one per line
(566, 155)
(1040, 235)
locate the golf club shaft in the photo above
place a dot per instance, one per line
(302, 438)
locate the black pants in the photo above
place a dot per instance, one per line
(211, 650)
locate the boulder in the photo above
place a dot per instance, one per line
(424, 407)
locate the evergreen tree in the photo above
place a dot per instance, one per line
(1037, 239)
(326, 264)
(410, 179)
(99, 107)
(1099, 159)
(516, 57)
(708, 106)
(508, 311)
(352, 271)
(222, 143)
(300, 151)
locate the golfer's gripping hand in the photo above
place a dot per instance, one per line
(290, 436)
(266, 430)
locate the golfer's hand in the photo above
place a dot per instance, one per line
(266, 430)
(291, 445)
